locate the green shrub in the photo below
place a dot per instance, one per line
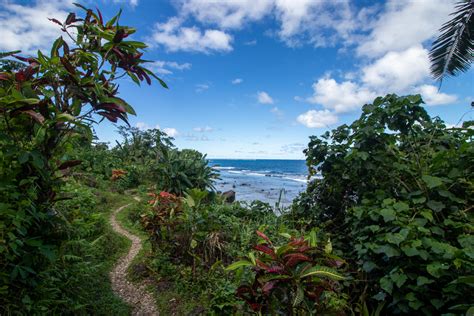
(395, 195)
(178, 171)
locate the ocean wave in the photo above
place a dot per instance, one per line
(303, 180)
(256, 174)
(222, 168)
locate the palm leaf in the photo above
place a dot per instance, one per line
(452, 52)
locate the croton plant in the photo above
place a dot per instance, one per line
(295, 278)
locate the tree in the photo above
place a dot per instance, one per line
(453, 51)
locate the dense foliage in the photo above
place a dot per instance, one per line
(396, 195)
(46, 105)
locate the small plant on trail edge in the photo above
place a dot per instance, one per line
(296, 278)
(161, 219)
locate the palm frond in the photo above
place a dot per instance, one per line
(453, 50)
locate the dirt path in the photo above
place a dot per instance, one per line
(137, 296)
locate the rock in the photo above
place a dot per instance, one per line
(229, 196)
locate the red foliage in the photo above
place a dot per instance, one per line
(117, 174)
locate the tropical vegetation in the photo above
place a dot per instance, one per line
(385, 228)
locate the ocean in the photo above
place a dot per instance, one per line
(261, 179)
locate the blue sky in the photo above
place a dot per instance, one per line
(256, 78)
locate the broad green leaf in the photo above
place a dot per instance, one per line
(387, 214)
(239, 264)
(421, 280)
(398, 278)
(386, 284)
(435, 269)
(436, 205)
(432, 182)
(321, 271)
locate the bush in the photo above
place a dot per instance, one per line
(395, 195)
(178, 171)
(296, 278)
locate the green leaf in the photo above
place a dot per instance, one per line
(419, 200)
(435, 268)
(387, 214)
(421, 280)
(436, 205)
(368, 266)
(251, 256)
(410, 251)
(239, 264)
(65, 117)
(427, 214)
(56, 45)
(321, 271)
(387, 250)
(396, 238)
(432, 182)
(386, 284)
(328, 247)
(299, 295)
(401, 206)
(286, 235)
(398, 278)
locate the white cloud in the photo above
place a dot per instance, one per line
(144, 126)
(176, 37)
(405, 23)
(27, 28)
(432, 96)
(322, 23)
(231, 14)
(171, 131)
(132, 3)
(200, 87)
(203, 129)
(317, 119)
(340, 97)
(398, 71)
(237, 81)
(264, 98)
(165, 67)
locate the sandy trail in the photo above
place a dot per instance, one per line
(135, 295)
